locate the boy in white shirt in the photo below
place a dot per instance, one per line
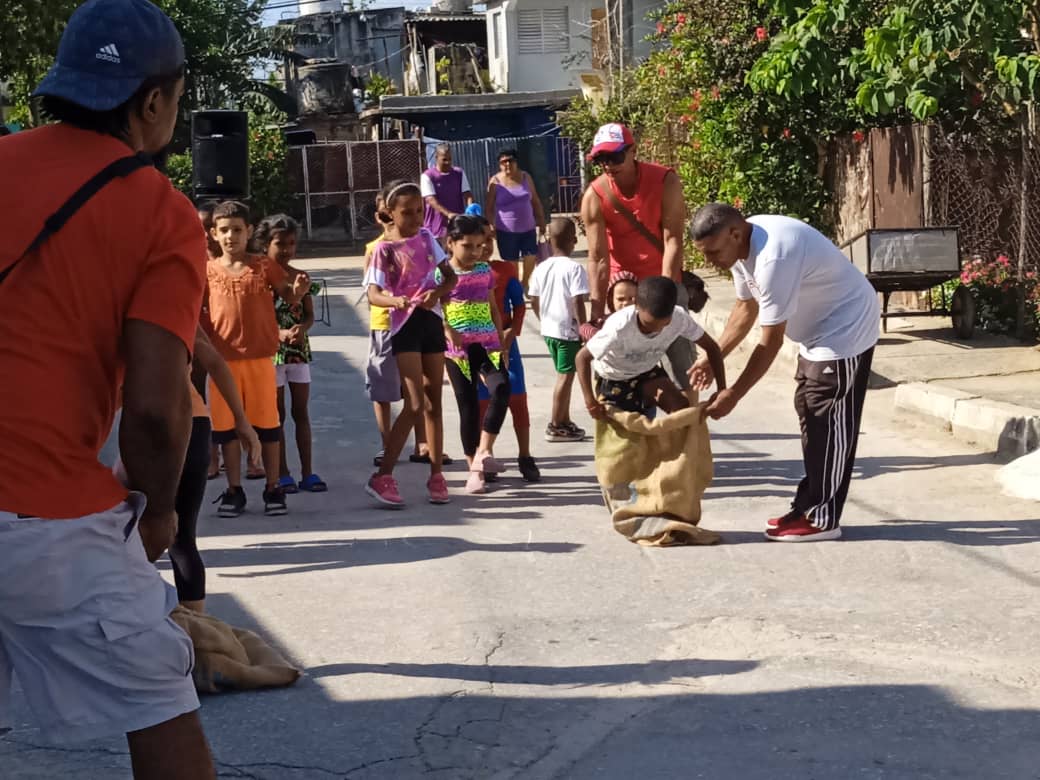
(558, 288)
(626, 353)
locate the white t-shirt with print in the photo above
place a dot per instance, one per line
(622, 351)
(556, 282)
(800, 277)
(427, 189)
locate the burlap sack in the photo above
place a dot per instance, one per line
(654, 474)
(231, 659)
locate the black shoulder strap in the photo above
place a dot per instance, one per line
(119, 169)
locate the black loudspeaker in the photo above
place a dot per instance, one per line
(220, 154)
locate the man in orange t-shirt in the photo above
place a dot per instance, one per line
(239, 315)
(111, 299)
(652, 195)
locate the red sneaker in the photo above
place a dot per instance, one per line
(383, 488)
(790, 517)
(801, 530)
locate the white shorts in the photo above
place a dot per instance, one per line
(295, 373)
(85, 626)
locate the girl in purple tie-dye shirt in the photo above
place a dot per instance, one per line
(401, 278)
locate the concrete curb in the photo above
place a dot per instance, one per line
(995, 425)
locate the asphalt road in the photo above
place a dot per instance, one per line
(516, 635)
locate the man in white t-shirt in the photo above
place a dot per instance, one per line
(798, 283)
(625, 354)
(558, 288)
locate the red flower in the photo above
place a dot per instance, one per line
(738, 202)
(660, 28)
(661, 71)
(858, 137)
(715, 93)
(786, 133)
(686, 119)
(680, 19)
(761, 34)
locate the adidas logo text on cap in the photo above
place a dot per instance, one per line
(109, 53)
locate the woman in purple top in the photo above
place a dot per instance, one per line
(515, 210)
(446, 192)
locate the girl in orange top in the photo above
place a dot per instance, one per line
(243, 328)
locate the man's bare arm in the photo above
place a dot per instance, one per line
(673, 226)
(599, 260)
(739, 324)
(156, 426)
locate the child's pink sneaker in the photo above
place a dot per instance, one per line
(475, 483)
(438, 489)
(383, 488)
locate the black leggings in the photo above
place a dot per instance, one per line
(497, 382)
(188, 571)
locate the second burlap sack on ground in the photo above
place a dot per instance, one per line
(654, 474)
(231, 659)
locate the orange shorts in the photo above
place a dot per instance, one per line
(255, 380)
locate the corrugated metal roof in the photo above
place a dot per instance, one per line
(444, 17)
(399, 105)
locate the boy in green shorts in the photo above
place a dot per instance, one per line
(558, 288)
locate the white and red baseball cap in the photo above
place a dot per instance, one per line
(611, 138)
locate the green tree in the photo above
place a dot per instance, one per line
(954, 59)
(224, 42)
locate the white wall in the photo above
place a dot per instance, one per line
(516, 72)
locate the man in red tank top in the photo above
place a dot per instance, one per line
(634, 216)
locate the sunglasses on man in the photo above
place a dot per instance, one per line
(507, 161)
(610, 158)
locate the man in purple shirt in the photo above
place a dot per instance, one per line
(446, 191)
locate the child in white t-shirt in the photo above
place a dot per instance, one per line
(558, 288)
(626, 352)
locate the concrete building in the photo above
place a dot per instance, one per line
(547, 45)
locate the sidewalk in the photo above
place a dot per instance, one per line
(985, 391)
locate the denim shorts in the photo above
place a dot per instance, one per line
(513, 246)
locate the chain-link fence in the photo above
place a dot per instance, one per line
(336, 183)
(984, 189)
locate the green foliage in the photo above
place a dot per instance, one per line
(994, 285)
(224, 41)
(691, 107)
(974, 60)
(379, 85)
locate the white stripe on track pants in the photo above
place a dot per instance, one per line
(829, 401)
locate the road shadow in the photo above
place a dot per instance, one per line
(311, 556)
(648, 673)
(478, 731)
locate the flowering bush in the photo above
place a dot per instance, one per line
(994, 285)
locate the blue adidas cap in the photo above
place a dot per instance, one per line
(474, 210)
(109, 48)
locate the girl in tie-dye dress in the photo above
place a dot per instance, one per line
(474, 352)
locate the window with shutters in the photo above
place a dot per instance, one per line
(543, 31)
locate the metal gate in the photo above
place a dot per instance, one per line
(553, 162)
(338, 183)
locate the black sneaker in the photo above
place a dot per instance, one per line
(529, 469)
(578, 433)
(232, 502)
(274, 502)
(558, 433)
